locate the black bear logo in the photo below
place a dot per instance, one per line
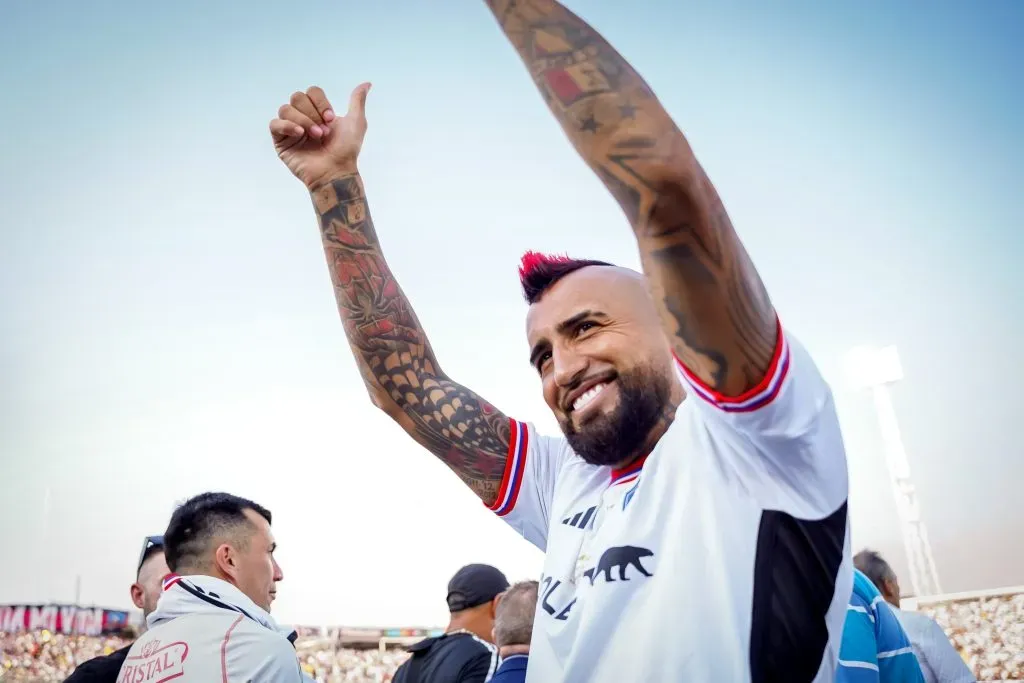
(622, 557)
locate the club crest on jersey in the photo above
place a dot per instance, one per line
(619, 558)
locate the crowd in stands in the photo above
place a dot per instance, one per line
(42, 656)
(988, 632)
(45, 657)
(343, 665)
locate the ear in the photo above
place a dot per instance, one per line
(494, 605)
(224, 559)
(137, 595)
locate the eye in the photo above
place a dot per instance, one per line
(542, 359)
(585, 326)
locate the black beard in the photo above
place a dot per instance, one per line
(612, 438)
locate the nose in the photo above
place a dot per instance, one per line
(278, 574)
(569, 366)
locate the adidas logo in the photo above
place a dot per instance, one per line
(581, 519)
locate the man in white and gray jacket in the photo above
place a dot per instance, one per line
(212, 622)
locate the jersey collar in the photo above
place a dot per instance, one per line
(629, 472)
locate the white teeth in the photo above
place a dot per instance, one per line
(587, 397)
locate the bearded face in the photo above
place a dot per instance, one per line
(609, 436)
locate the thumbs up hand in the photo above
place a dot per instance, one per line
(313, 141)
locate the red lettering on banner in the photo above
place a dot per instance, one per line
(88, 621)
(12, 619)
(66, 619)
(42, 617)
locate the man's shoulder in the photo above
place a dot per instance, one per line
(546, 444)
(449, 655)
(916, 622)
(863, 587)
(244, 632)
(466, 643)
(555, 457)
(103, 668)
(233, 631)
(460, 649)
(511, 669)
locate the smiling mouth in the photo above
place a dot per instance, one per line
(584, 399)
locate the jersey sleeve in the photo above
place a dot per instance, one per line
(784, 431)
(897, 662)
(528, 485)
(858, 650)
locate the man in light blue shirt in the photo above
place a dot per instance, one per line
(939, 660)
(875, 648)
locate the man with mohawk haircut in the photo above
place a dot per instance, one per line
(693, 517)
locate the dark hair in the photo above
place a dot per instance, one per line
(198, 520)
(874, 567)
(538, 272)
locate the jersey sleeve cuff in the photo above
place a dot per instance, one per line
(757, 397)
(515, 465)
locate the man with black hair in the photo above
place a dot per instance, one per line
(213, 621)
(149, 571)
(694, 516)
(464, 653)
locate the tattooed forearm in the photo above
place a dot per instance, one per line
(609, 113)
(392, 350)
(712, 302)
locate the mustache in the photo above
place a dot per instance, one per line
(605, 376)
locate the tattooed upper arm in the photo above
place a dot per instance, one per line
(393, 353)
(712, 302)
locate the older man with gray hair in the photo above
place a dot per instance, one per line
(939, 660)
(513, 629)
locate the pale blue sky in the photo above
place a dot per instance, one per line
(169, 326)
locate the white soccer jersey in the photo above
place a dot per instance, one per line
(723, 557)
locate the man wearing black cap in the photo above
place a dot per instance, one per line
(149, 572)
(464, 654)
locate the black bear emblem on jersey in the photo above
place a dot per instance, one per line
(622, 557)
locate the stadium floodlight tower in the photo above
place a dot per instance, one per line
(877, 369)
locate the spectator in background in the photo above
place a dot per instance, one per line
(151, 568)
(216, 606)
(464, 654)
(874, 647)
(939, 661)
(513, 630)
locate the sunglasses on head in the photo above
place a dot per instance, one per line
(147, 545)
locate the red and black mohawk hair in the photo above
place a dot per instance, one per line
(538, 272)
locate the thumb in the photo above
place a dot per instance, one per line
(357, 103)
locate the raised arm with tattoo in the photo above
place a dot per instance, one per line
(712, 302)
(391, 349)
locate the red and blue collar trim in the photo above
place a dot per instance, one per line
(170, 580)
(629, 472)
